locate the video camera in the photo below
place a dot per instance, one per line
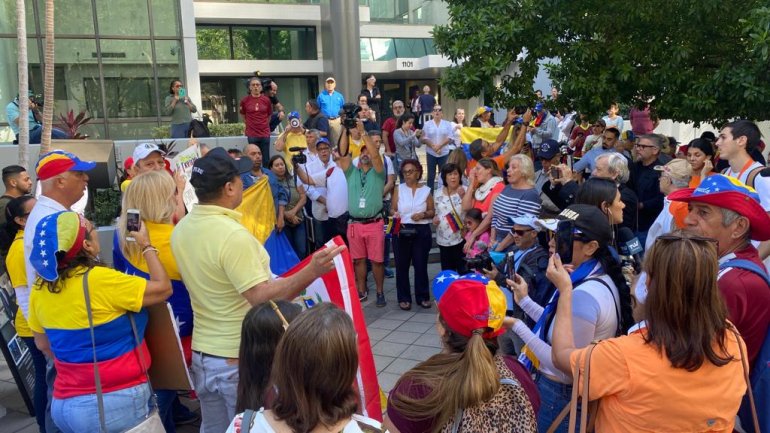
(480, 262)
(299, 155)
(36, 99)
(349, 114)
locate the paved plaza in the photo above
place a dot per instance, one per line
(400, 339)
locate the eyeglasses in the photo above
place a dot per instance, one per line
(644, 146)
(408, 172)
(521, 232)
(436, 109)
(284, 322)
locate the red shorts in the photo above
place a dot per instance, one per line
(367, 241)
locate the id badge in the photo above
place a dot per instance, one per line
(362, 203)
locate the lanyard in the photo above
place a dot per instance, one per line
(745, 167)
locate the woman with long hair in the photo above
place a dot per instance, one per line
(180, 107)
(293, 215)
(65, 254)
(12, 240)
(305, 396)
(681, 360)
(449, 218)
(519, 198)
(413, 204)
(605, 195)
(407, 140)
(470, 386)
(602, 304)
(485, 184)
(263, 327)
(458, 123)
(153, 194)
(700, 155)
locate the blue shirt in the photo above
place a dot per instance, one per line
(12, 113)
(331, 104)
(589, 159)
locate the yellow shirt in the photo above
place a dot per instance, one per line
(354, 146)
(641, 392)
(14, 262)
(293, 139)
(219, 260)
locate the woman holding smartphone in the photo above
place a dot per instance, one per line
(601, 308)
(179, 106)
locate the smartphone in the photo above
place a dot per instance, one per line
(564, 237)
(132, 223)
(182, 92)
(555, 173)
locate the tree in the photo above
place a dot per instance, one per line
(695, 60)
(48, 96)
(21, 37)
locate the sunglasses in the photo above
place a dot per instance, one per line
(680, 237)
(436, 109)
(521, 232)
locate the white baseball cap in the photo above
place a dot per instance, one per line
(144, 150)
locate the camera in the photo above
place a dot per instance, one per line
(349, 114)
(299, 157)
(520, 109)
(37, 99)
(480, 262)
(294, 122)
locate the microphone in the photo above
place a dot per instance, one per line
(630, 248)
(296, 149)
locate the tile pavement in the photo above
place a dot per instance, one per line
(399, 340)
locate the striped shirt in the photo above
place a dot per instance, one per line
(512, 203)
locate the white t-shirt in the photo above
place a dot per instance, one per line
(761, 184)
(663, 224)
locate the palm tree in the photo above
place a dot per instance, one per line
(21, 36)
(48, 96)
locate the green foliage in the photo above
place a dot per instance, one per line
(106, 203)
(220, 130)
(697, 60)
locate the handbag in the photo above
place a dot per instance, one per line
(151, 424)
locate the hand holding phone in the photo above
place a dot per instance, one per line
(133, 223)
(182, 92)
(564, 238)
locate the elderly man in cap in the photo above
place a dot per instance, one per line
(226, 271)
(63, 181)
(331, 101)
(674, 176)
(726, 210)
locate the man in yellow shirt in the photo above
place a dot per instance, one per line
(226, 270)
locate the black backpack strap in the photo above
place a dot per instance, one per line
(753, 175)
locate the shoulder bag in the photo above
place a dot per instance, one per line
(151, 424)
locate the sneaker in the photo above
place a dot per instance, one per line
(389, 273)
(363, 296)
(381, 300)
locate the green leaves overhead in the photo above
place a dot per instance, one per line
(696, 60)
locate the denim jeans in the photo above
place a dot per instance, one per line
(166, 399)
(40, 393)
(180, 130)
(50, 378)
(216, 382)
(553, 397)
(434, 162)
(123, 409)
(297, 238)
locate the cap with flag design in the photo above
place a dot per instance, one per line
(469, 303)
(729, 193)
(57, 240)
(483, 109)
(57, 162)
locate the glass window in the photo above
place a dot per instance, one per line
(8, 11)
(409, 47)
(292, 43)
(213, 43)
(131, 130)
(164, 17)
(128, 78)
(383, 49)
(429, 47)
(123, 17)
(75, 18)
(366, 50)
(250, 43)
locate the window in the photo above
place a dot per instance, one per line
(256, 43)
(410, 48)
(213, 43)
(383, 49)
(250, 43)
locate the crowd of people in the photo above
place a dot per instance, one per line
(560, 233)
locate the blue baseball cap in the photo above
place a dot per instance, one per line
(548, 149)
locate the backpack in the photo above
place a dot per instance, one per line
(199, 128)
(760, 371)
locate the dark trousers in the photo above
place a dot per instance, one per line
(452, 258)
(336, 226)
(264, 147)
(40, 393)
(412, 251)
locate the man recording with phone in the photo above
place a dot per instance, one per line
(13, 114)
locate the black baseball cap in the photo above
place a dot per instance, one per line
(587, 220)
(214, 170)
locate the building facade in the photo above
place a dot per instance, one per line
(115, 59)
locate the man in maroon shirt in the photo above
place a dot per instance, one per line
(390, 125)
(728, 211)
(256, 110)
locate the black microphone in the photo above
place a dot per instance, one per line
(297, 149)
(630, 248)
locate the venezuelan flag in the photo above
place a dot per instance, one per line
(468, 135)
(454, 222)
